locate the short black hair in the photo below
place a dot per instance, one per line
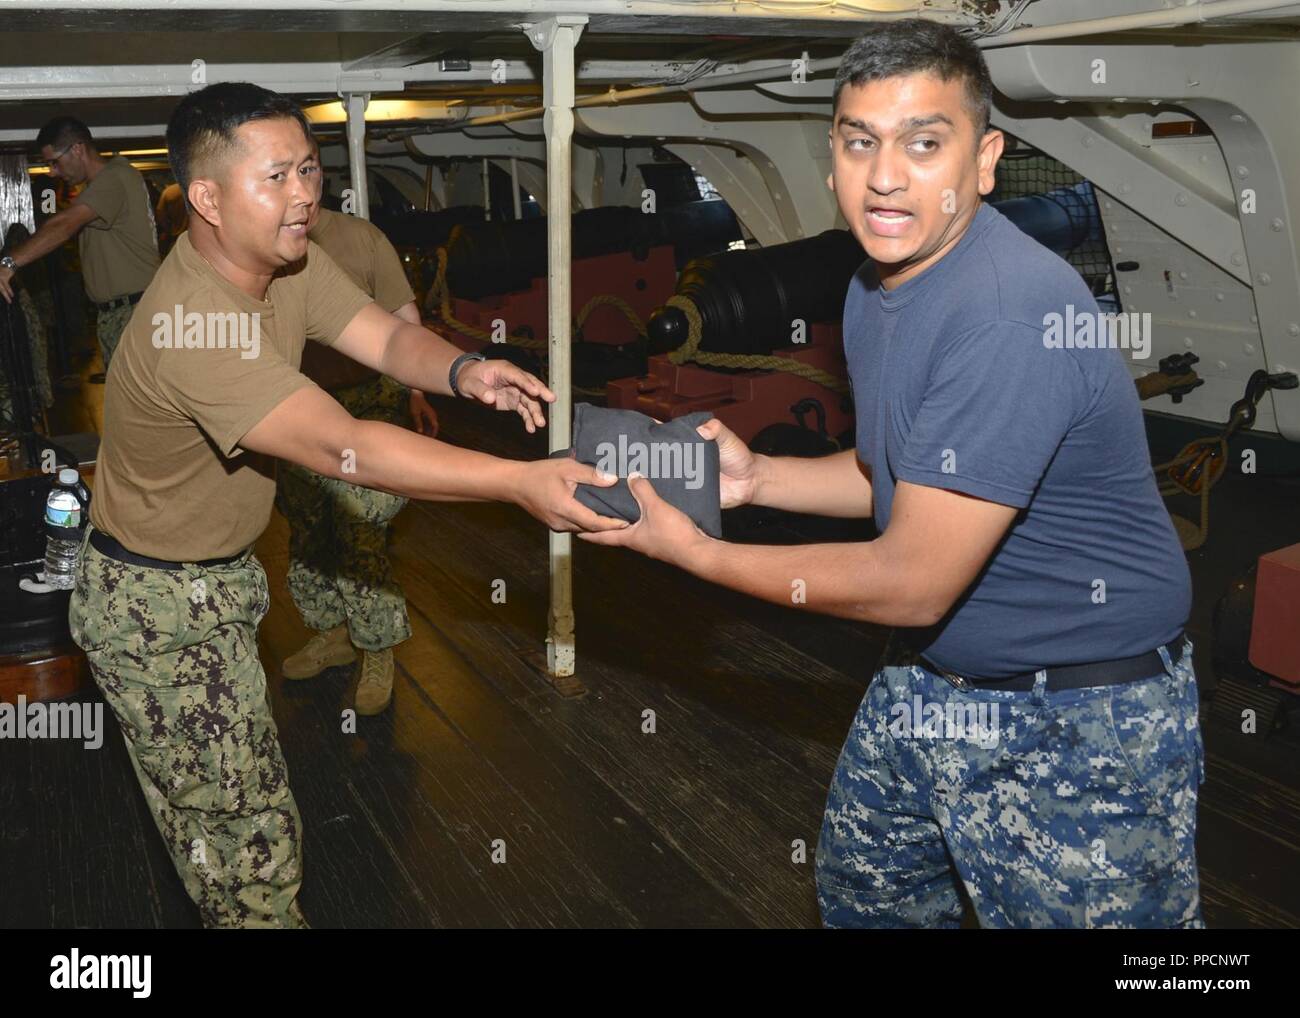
(916, 46)
(204, 123)
(64, 132)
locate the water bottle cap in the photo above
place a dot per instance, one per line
(67, 475)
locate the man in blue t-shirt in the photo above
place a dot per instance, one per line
(1031, 735)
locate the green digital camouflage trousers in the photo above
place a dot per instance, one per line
(108, 328)
(175, 654)
(338, 532)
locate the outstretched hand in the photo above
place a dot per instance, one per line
(502, 385)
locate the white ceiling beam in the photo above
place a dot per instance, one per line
(62, 82)
(27, 136)
(128, 82)
(684, 16)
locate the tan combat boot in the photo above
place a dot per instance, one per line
(324, 650)
(375, 687)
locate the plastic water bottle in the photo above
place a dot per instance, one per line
(65, 515)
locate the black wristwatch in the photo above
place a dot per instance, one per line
(456, 365)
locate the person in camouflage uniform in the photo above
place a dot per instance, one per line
(182, 645)
(340, 577)
(168, 593)
(339, 573)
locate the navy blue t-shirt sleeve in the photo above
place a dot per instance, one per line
(996, 407)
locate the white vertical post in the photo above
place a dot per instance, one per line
(514, 187)
(487, 191)
(556, 38)
(356, 104)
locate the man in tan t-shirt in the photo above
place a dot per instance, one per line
(339, 575)
(204, 393)
(170, 216)
(112, 219)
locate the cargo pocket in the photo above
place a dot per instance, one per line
(1149, 741)
(119, 609)
(1161, 901)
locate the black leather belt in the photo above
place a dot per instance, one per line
(117, 302)
(111, 547)
(1096, 673)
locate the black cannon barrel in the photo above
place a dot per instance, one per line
(426, 230)
(749, 300)
(492, 258)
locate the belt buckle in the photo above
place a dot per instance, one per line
(956, 681)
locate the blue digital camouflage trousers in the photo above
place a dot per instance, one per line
(1071, 808)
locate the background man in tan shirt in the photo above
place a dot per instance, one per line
(170, 216)
(112, 219)
(168, 594)
(339, 575)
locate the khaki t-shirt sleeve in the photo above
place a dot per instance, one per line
(106, 194)
(333, 300)
(226, 391)
(392, 289)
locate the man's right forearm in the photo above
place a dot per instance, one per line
(396, 460)
(832, 485)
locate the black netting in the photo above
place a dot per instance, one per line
(1025, 172)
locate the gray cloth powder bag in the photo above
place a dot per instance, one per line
(682, 467)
